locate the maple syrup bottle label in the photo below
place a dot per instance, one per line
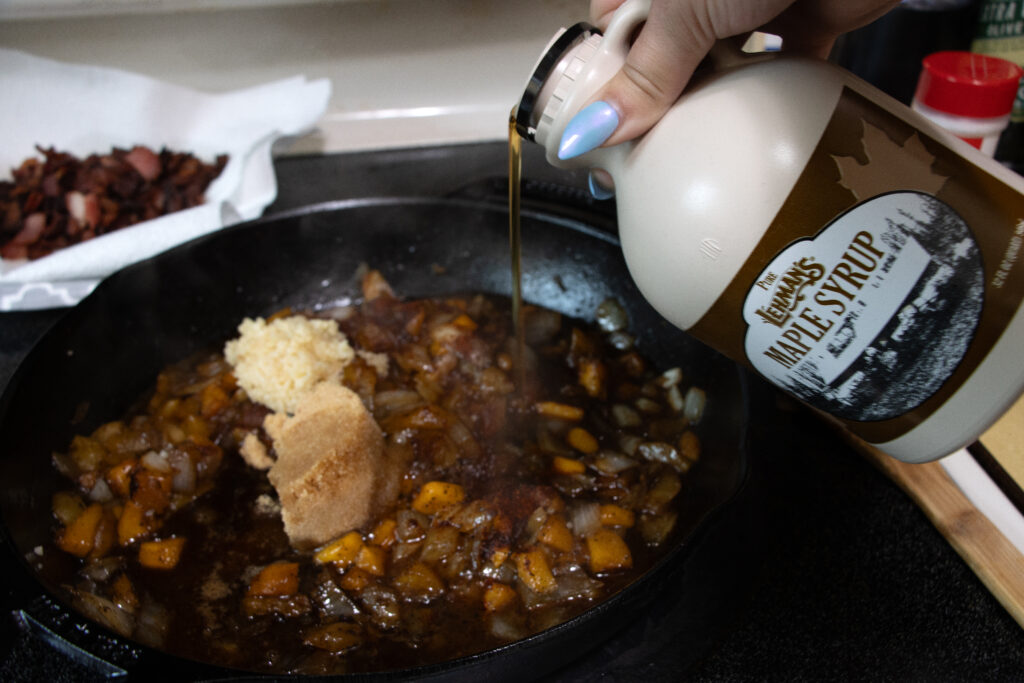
(884, 280)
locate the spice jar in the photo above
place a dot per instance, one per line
(968, 94)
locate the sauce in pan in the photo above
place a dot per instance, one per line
(517, 507)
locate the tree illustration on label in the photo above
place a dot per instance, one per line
(867, 319)
(907, 166)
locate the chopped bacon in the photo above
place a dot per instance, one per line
(145, 162)
(62, 200)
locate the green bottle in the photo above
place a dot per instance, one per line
(1000, 33)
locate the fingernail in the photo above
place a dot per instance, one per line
(598, 190)
(591, 126)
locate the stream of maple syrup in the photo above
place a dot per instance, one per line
(515, 165)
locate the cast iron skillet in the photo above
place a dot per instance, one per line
(106, 351)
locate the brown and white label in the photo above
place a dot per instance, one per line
(883, 281)
(870, 317)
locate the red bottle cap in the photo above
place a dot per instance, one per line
(968, 84)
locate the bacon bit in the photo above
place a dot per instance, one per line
(145, 162)
(84, 208)
(31, 229)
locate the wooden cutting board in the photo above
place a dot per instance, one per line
(988, 553)
(1005, 442)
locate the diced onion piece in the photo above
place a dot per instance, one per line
(611, 316)
(694, 404)
(613, 462)
(419, 581)
(663, 491)
(671, 377)
(621, 340)
(184, 479)
(441, 542)
(100, 492)
(659, 451)
(624, 416)
(655, 529)
(410, 526)
(66, 507)
(396, 401)
(105, 612)
(88, 454)
(100, 570)
(472, 516)
(646, 405)
(674, 398)
(505, 626)
(540, 325)
(585, 518)
(372, 559)
(156, 462)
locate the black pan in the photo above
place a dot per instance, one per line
(107, 350)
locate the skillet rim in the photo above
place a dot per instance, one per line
(661, 571)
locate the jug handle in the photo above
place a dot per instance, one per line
(618, 37)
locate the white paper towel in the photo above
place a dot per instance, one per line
(85, 110)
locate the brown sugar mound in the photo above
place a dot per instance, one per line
(332, 472)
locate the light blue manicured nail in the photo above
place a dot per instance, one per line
(588, 129)
(597, 190)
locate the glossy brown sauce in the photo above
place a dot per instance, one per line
(438, 585)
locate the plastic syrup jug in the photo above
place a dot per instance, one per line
(805, 224)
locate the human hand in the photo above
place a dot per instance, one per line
(675, 38)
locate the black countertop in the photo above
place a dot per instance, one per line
(822, 569)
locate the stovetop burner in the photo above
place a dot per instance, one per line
(821, 569)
